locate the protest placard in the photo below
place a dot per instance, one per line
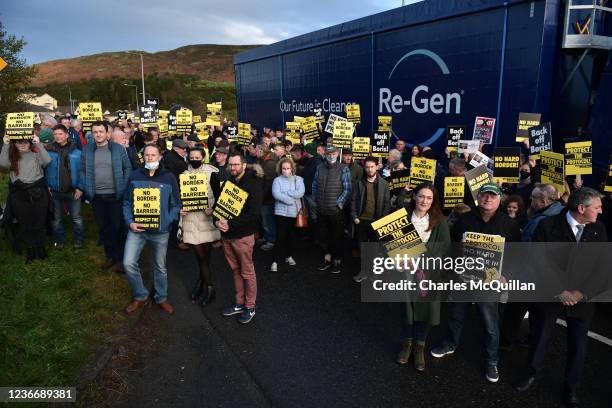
(398, 235)
(153, 102)
(422, 170)
(194, 191)
(361, 147)
(578, 158)
(319, 115)
(540, 138)
(552, 170)
(506, 164)
(230, 202)
(490, 249)
(343, 135)
(148, 114)
(608, 186)
(353, 113)
(310, 129)
(526, 121)
(453, 135)
(202, 131)
(183, 121)
(89, 112)
(213, 114)
(384, 123)
(171, 122)
(244, 133)
(398, 180)
(483, 129)
(479, 158)
(476, 178)
(380, 144)
(468, 146)
(147, 207)
(293, 132)
(329, 126)
(19, 125)
(232, 133)
(197, 119)
(454, 188)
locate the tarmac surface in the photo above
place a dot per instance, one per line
(313, 343)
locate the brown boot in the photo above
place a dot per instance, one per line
(404, 354)
(108, 263)
(134, 305)
(166, 307)
(419, 356)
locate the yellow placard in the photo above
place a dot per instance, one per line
(454, 190)
(578, 158)
(309, 128)
(147, 207)
(194, 191)
(384, 123)
(196, 118)
(343, 135)
(90, 112)
(213, 114)
(422, 170)
(361, 147)
(183, 120)
(608, 186)
(19, 125)
(231, 201)
(202, 131)
(398, 235)
(552, 169)
(353, 113)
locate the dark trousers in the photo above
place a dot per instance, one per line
(285, 235)
(30, 208)
(545, 318)
(331, 232)
(489, 315)
(108, 213)
(364, 231)
(513, 315)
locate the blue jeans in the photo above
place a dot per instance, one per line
(61, 200)
(134, 244)
(489, 315)
(108, 213)
(269, 223)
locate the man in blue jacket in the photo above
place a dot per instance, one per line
(105, 169)
(62, 176)
(150, 205)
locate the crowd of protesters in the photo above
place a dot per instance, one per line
(62, 168)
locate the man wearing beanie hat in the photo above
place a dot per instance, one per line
(487, 218)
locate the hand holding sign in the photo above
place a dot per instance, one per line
(135, 227)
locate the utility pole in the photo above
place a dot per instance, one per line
(141, 73)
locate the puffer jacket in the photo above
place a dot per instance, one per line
(197, 227)
(287, 194)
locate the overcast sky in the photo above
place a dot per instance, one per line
(70, 28)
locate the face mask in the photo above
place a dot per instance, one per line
(195, 163)
(331, 159)
(151, 165)
(525, 175)
(286, 172)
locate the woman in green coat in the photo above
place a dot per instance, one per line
(426, 215)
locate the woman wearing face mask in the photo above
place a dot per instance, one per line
(28, 193)
(426, 215)
(288, 190)
(198, 229)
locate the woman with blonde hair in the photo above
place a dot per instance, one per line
(287, 190)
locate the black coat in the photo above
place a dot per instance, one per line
(249, 219)
(577, 267)
(381, 197)
(175, 163)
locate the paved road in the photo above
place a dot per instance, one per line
(314, 344)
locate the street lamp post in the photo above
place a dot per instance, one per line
(135, 94)
(141, 74)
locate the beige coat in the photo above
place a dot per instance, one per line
(198, 228)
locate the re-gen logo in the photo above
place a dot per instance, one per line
(421, 101)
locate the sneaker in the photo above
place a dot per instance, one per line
(442, 350)
(337, 268)
(324, 266)
(491, 373)
(290, 261)
(360, 277)
(58, 245)
(274, 267)
(233, 310)
(246, 315)
(267, 246)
